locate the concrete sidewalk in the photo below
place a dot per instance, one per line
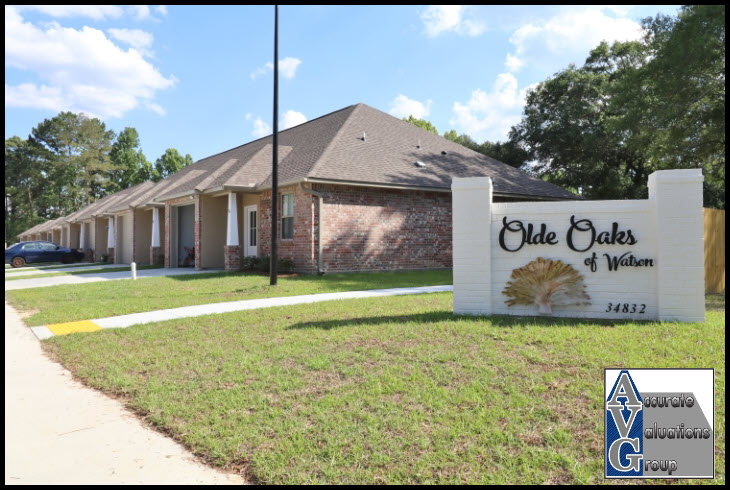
(101, 276)
(51, 270)
(59, 432)
(124, 321)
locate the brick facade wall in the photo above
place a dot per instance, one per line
(232, 257)
(365, 229)
(157, 256)
(302, 249)
(374, 229)
(166, 239)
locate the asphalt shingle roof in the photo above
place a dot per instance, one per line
(331, 147)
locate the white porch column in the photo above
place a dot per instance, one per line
(155, 227)
(110, 235)
(232, 229)
(82, 243)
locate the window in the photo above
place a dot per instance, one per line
(31, 247)
(48, 247)
(287, 216)
(252, 228)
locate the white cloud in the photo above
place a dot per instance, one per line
(141, 12)
(438, 19)
(490, 115)
(293, 118)
(513, 63)
(96, 12)
(157, 108)
(79, 70)
(260, 128)
(31, 95)
(136, 38)
(571, 34)
(161, 9)
(287, 68)
(402, 106)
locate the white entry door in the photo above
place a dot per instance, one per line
(250, 230)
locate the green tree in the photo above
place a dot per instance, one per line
(23, 187)
(95, 143)
(684, 82)
(462, 139)
(169, 163)
(421, 123)
(75, 150)
(634, 108)
(125, 155)
(507, 152)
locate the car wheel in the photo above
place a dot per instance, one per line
(68, 259)
(17, 262)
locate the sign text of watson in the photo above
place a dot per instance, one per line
(584, 227)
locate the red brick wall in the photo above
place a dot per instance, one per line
(365, 229)
(373, 229)
(302, 249)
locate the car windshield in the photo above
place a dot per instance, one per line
(12, 248)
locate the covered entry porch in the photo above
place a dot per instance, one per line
(230, 229)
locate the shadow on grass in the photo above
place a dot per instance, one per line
(715, 301)
(504, 321)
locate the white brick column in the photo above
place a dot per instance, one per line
(155, 227)
(471, 201)
(232, 228)
(676, 200)
(82, 237)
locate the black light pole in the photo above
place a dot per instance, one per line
(275, 163)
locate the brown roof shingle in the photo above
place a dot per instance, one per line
(331, 148)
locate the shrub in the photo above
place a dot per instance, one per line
(104, 257)
(263, 264)
(249, 262)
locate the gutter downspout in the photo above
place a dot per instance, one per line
(320, 268)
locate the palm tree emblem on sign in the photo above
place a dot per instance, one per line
(546, 283)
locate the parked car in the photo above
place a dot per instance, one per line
(40, 251)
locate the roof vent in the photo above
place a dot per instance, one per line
(363, 135)
(420, 164)
(443, 152)
(419, 144)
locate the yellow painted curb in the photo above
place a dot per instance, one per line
(73, 327)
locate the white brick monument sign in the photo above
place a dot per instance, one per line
(638, 259)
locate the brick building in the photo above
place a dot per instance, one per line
(359, 190)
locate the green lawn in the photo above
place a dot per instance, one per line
(388, 390)
(109, 298)
(82, 272)
(35, 267)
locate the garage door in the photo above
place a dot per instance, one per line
(124, 239)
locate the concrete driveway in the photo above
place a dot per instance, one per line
(100, 276)
(59, 432)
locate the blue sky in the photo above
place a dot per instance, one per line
(199, 78)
